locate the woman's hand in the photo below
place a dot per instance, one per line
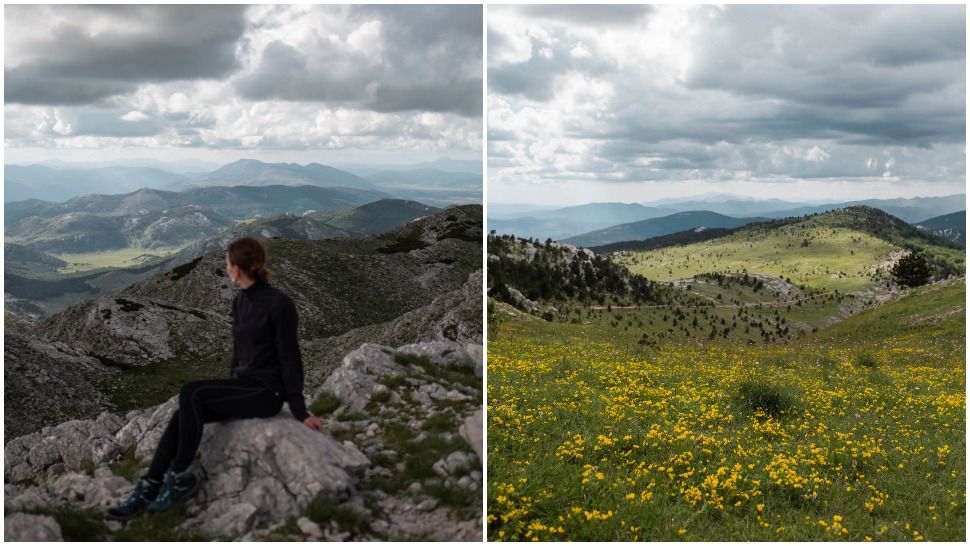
(314, 422)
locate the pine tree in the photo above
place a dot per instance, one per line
(911, 270)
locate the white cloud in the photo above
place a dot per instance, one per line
(135, 115)
(171, 117)
(772, 96)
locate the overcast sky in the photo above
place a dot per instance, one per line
(634, 103)
(296, 83)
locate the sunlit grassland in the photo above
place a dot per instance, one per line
(122, 257)
(834, 257)
(854, 433)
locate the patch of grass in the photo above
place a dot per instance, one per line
(461, 376)
(77, 525)
(138, 387)
(184, 269)
(407, 359)
(88, 467)
(440, 422)
(393, 381)
(397, 435)
(324, 510)
(420, 456)
(352, 416)
(129, 465)
(865, 359)
(380, 397)
(160, 527)
(324, 404)
(289, 532)
(760, 395)
(455, 497)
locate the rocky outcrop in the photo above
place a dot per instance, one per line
(47, 382)
(453, 316)
(519, 300)
(259, 470)
(31, 528)
(138, 331)
(399, 451)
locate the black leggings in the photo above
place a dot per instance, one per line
(203, 402)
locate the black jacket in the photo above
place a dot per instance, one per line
(265, 345)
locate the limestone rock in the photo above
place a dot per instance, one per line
(471, 431)
(30, 528)
(277, 465)
(68, 446)
(309, 528)
(358, 378)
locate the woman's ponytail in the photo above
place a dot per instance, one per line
(249, 254)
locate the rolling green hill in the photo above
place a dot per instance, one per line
(829, 407)
(848, 249)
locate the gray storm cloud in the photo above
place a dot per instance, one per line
(222, 76)
(779, 93)
(430, 61)
(76, 66)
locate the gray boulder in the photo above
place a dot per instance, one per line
(471, 431)
(30, 528)
(258, 470)
(358, 378)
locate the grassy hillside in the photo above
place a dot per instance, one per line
(830, 407)
(847, 250)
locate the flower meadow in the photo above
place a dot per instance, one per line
(856, 434)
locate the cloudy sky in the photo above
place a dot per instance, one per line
(635, 103)
(295, 83)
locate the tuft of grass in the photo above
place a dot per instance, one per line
(393, 381)
(324, 510)
(772, 399)
(324, 404)
(865, 359)
(159, 527)
(454, 497)
(289, 532)
(439, 422)
(352, 416)
(380, 397)
(129, 465)
(406, 359)
(77, 525)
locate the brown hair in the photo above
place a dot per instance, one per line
(249, 254)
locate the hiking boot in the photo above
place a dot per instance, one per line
(146, 490)
(176, 489)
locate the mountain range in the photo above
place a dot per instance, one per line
(533, 221)
(437, 181)
(951, 227)
(34, 288)
(655, 227)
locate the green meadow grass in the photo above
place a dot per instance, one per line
(856, 432)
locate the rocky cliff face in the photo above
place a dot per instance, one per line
(391, 337)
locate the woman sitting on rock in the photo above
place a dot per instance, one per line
(266, 370)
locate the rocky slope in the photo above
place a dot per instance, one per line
(391, 337)
(400, 461)
(75, 232)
